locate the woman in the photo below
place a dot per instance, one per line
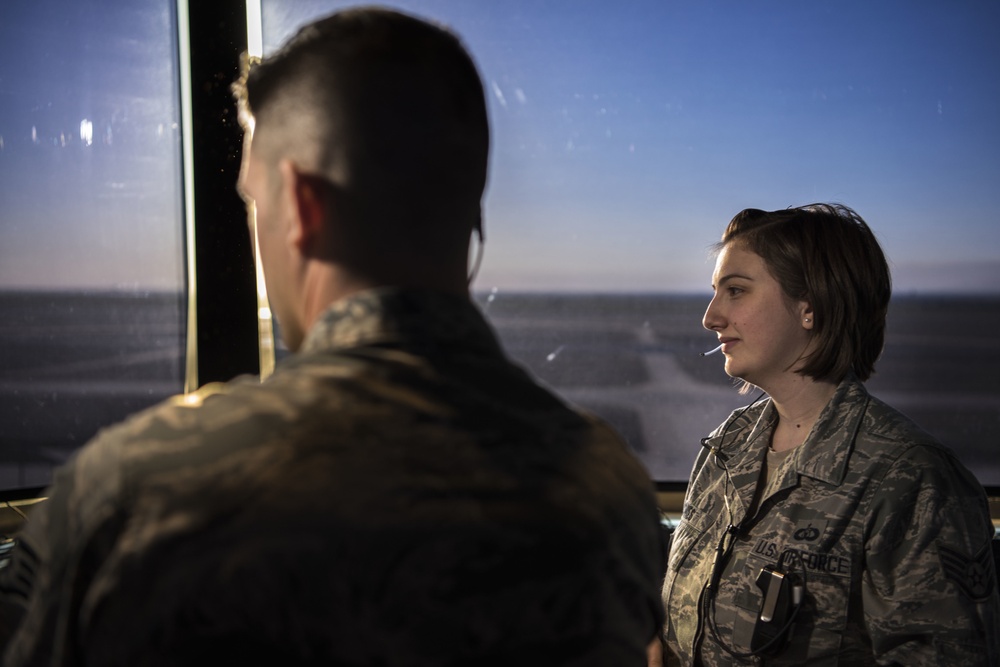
(821, 526)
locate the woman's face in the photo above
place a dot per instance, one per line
(764, 334)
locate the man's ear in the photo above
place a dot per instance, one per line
(308, 208)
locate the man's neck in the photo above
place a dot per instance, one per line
(326, 284)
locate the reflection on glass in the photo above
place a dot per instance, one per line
(91, 263)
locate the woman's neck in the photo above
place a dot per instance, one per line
(798, 404)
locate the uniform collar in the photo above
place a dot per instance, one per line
(739, 444)
(825, 453)
(397, 316)
(823, 456)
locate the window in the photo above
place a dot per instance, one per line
(626, 135)
(91, 225)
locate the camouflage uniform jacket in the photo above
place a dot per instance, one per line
(893, 534)
(397, 493)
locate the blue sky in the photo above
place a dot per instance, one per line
(103, 214)
(625, 134)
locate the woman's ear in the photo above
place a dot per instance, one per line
(806, 315)
(307, 207)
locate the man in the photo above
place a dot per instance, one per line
(397, 492)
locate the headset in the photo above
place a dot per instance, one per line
(782, 585)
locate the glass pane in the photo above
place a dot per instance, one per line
(626, 135)
(91, 228)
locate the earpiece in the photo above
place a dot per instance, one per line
(478, 229)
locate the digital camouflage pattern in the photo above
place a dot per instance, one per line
(398, 493)
(893, 534)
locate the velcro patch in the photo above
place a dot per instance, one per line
(809, 530)
(973, 575)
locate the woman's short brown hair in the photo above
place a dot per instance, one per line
(827, 255)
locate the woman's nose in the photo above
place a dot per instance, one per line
(712, 319)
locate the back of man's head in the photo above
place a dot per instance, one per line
(387, 107)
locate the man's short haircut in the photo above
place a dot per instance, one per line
(384, 105)
(827, 255)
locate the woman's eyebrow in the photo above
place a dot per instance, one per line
(731, 276)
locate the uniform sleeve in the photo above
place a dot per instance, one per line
(57, 553)
(929, 590)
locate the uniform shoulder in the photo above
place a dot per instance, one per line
(914, 461)
(197, 426)
(888, 432)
